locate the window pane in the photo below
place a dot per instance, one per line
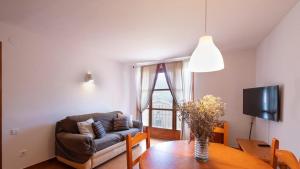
(178, 121)
(161, 82)
(145, 117)
(162, 119)
(162, 99)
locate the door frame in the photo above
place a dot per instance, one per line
(0, 104)
(161, 133)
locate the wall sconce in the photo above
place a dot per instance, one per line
(89, 78)
(88, 83)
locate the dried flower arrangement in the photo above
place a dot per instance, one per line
(203, 115)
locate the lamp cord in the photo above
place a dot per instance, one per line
(205, 17)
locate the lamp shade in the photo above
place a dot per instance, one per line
(206, 57)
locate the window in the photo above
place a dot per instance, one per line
(161, 111)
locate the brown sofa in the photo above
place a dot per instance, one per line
(83, 152)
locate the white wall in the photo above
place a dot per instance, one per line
(42, 83)
(228, 84)
(278, 60)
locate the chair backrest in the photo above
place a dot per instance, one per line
(287, 157)
(132, 141)
(274, 147)
(218, 130)
(223, 130)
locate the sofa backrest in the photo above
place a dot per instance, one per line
(106, 119)
(80, 118)
(69, 124)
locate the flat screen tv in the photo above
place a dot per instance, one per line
(262, 102)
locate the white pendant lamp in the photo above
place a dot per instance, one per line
(206, 57)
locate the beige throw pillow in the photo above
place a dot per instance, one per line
(130, 122)
(129, 118)
(85, 127)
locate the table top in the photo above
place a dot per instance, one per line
(179, 155)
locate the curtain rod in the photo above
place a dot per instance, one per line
(161, 61)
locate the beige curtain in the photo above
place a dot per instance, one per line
(179, 79)
(145, 79)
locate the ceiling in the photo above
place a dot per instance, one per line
(141, 30)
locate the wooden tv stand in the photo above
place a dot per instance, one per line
(251, 147)
(264, 153)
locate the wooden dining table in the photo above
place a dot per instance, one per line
(180, 155)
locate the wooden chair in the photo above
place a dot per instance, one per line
(131, 142)
(287, 157)
(223, 130)
(274, 147)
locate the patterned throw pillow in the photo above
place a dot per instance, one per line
(129, 118)
(121, 123)
(85, 127)
(98, 129)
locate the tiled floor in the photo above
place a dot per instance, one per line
(118, 162)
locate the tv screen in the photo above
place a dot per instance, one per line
(262, 102)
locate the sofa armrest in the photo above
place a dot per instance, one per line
(77, 143)
(137, 124)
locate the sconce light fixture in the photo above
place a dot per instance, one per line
(89, 78)
(88, 83)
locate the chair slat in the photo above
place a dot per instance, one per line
(223, 131)
(219, 130)
(136, 161)
(138, 138)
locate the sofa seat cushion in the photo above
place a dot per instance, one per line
(124, 133)
(108, 140)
